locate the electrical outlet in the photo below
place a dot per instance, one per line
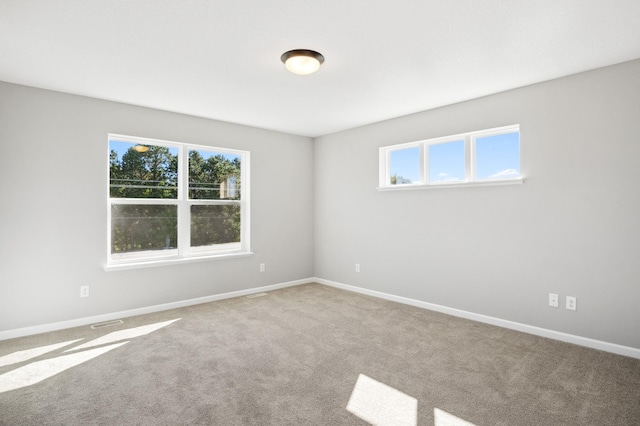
(262, 267)
(84, 291)
(572, 303)
(553, 300)
(357, 267)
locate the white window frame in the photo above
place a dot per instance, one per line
(470, 179)
(184, 252)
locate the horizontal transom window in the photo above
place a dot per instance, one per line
(476, 158)
(170, 200)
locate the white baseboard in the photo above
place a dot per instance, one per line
(44, 328)
(556, 335)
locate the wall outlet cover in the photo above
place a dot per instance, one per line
(572, 303)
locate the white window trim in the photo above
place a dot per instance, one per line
(184, 253)
(469, 138)
(174, 261)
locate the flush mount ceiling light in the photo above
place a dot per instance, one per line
(141, 148)
(302, 61)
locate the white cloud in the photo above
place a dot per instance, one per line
(505, 174)
(446, 177)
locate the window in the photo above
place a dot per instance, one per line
(170, 201)
(476, 158)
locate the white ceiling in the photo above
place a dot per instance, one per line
(384, 58)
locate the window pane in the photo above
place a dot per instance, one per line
(498, 156)
(215, 224)
(405, 166)
(214, 175)
(142, 171)
(143, 227)
(446, 162)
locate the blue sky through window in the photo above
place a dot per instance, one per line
(121, 147)
(405, 164)
(446, 162)
(496, 153)
(208, 154)
(498, 156)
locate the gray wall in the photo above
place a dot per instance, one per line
(572, 228)
(53, 169)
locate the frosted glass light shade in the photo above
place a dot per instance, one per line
(302, 61)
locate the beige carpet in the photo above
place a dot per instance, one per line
(310, 355)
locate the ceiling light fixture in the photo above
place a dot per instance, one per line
(302, 61)
(141, 148)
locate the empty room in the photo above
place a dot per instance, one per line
(320, 213)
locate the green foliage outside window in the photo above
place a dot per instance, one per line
(139, 227)
(212, 178)
(153, 174)
(150, 174)
(214, 225)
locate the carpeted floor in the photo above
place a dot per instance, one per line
(294, 357)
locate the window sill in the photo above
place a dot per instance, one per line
(451, 185)
(175, 261)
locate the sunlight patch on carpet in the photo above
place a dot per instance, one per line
(21, 356)
(40, 370)
(381, 404)
(129, 333)
(442, 418)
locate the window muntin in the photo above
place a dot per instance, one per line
(173, 200)
(482, 157)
